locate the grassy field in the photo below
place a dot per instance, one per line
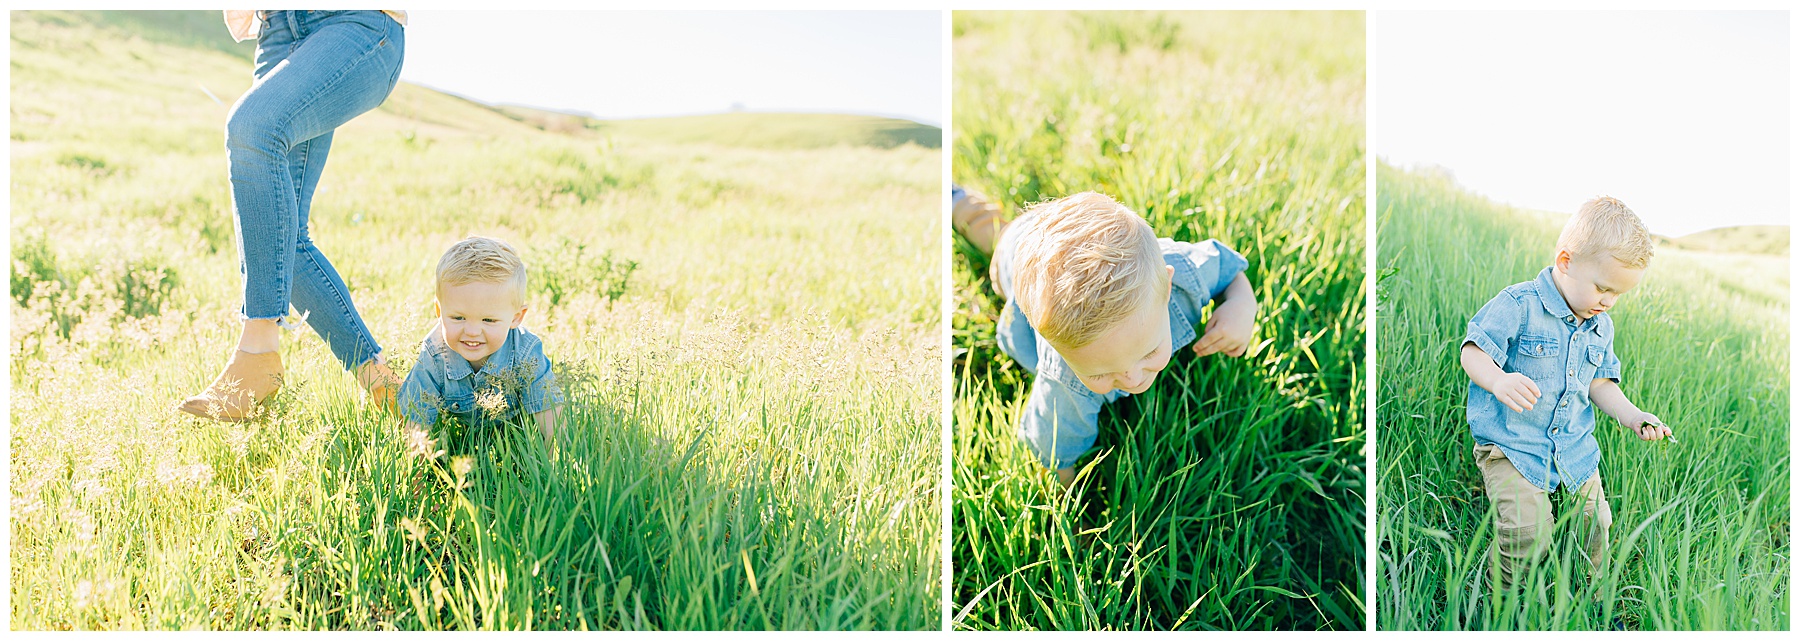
(753, 410)
(1743, 239)
(1231, 494)
(1700, 538)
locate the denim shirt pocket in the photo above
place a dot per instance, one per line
(1596, 357)
(459, 402)
(1539, 357)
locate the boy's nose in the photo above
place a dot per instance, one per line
(1133, 379)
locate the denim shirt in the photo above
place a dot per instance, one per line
(1529, 329)
(1061, 417)
(516, 378)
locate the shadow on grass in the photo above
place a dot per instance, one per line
(618, 529)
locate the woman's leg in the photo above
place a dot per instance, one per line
(332, 71)
(315, 71)
(319, 293)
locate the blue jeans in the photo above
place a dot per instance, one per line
(315, 70)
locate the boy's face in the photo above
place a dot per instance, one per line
(1591, 285)
(475, 317)
(1129, 355)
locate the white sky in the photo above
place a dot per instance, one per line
(1682, 115)
(642, 63)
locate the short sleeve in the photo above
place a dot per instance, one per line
(1610, 367)
(1210, 264)
(541, 393)
(1059, 422)
(423, 390)
(1495, 328)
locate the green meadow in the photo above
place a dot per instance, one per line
(1229, 496)
(1700, 538)
(747, 334)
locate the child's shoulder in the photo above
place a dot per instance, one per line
(1199, 252)
(433, 340)
(1517, 293)
(1604, 325)
(526, 343)
(1202, 268)
(525, 336)
(1508, 307)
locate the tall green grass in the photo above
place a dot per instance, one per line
(1700, 538)
(752, 433)
(1230, 495)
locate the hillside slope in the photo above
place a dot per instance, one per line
(196, 41)
(746, 340)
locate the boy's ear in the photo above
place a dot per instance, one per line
(1562, 260)
(1169, 283)
(435, 309)
(520, 317)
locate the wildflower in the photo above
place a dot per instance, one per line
(492, 403)
(414, 532)
(90, 488)
(87, 593)
(276, 589)
(420, 444)
(196, 475)
(84, 594)
(81, 523)
(461, 466)
(21, 507)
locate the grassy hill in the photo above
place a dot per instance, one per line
(743, 129)
(1743, 239)
(1700, 534)
(752, 432)
(203, 30)
(781, 130)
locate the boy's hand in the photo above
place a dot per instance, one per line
(1228, 331)
(546, 421)
(1649, 427)
(1516, 390)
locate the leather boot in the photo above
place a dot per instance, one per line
(248, 380)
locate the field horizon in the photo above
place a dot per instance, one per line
(752, 421)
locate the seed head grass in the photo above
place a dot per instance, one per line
(751, 434)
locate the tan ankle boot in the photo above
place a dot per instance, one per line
(248, 379)
(383, 386)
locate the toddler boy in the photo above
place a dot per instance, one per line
(478, 364)
(1539, 356)
(1095, 306)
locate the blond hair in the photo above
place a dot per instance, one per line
(1605, 225)
(478, 259)
(1085, 264)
